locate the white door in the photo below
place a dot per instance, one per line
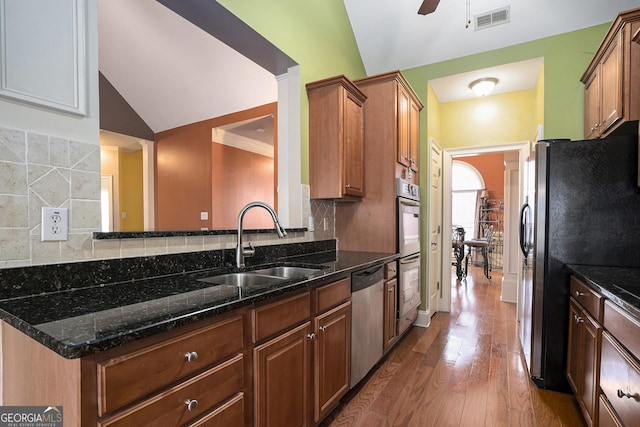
(435, 226)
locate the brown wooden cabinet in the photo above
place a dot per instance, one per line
(585, 336)
(332, 347)
(281, 361)
(395, 116)
(281, 379)
(303, 369)
(620, 368)
(602, 366)
(286, 361)
(612, 80)
(583, 365)
(408, 143)
(390, 331)
(391, 123)
(336, 138)
(332, 358)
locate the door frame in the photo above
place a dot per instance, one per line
(434, 211)
(523, 148)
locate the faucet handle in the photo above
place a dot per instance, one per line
(250, 251)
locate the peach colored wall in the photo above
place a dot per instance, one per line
(491, 167)
(185, 174)
(239, 177)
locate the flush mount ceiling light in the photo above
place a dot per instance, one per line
(484, 86)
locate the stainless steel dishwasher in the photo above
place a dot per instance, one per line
(367, 310)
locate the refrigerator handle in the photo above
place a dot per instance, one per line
(523, 230)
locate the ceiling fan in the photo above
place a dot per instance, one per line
(428, 6)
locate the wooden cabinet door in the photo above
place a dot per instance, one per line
(281, 379)
(414, 137)
(583, 364)
(611, 92)
(390, 308)
(332, 358)
(574, 368)
(353, 151)
(591, 342)
(403, 111)
(592, 106)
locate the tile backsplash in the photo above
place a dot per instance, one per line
(41, 170)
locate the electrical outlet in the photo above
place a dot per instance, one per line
(325, 224)
(55, 224)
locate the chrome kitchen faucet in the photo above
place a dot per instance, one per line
(241, 252)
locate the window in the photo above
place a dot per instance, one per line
(466, 181)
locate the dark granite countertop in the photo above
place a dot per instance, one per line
(620, 284)
(76, 322)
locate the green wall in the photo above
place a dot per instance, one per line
(317, 35)
(566, 57)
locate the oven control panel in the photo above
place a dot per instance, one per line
(407, 190)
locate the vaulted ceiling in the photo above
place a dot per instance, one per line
(173, 73)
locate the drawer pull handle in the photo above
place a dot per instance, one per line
(191, 356)
(191, 404)
(323, 328)
(579, 294)
(578, 319)
(622, 394)
(311, 336)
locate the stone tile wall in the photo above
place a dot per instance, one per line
(40, 170)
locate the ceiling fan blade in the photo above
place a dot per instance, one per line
(428, 6)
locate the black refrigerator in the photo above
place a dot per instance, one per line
(582, 207)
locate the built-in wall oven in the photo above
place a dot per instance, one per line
(408, 196)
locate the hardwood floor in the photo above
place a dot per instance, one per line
(466, 369)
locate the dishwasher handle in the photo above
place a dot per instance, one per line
(364, 278)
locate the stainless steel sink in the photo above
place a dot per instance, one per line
(243, 279)
(288, 272)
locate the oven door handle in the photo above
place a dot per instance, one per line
(410, 260)
(408, 202)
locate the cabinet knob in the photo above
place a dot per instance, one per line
(311, 336)
(191, 356)
(579, 294)
(191, 404)
(323, 328)
(347, 186)
(578, 319)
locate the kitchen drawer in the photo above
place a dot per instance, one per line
(270, 319)
(390, 270)
(620, 380)
(623, 326)
(587, 298)
(332, 295)
(126, 378)
(230, 413)
(607, 418)
(170, 408)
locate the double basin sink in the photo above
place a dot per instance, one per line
(262, 277)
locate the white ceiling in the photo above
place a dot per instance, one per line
(391, 35)
(173, 73)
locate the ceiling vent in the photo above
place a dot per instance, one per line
(492, 18)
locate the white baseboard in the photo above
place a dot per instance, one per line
(509, 288)
(423, 320)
